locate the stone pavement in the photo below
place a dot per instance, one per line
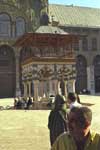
(29, 128)
(93, 102)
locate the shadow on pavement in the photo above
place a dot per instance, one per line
(87, 104)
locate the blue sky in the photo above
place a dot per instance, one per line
(87, 3)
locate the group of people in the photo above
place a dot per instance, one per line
(70, 129)
(23, 103)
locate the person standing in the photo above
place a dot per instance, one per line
(73, 100)
(57, 119)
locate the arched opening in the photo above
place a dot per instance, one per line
(81, 74)
(22, 90)
(32, 88)
(7, 72)
(97, 73)
(62, 87)
(5, 25)
(20, 26)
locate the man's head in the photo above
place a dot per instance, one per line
(71, 97)
(79, 121)
(59, 101)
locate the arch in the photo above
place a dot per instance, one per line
(20, 26)
(5, 25)
(7, 71)
(96, 64)
(81, 74)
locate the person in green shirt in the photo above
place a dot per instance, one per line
(79, 137)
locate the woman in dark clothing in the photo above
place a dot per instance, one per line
(57, 119)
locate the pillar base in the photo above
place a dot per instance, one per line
(18, 93)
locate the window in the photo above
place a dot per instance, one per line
(84, 44)
(94, 44)
(20, 26)
(5, 25)
(76, 46)
(81, 74)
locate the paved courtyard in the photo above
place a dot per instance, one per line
(26, 130)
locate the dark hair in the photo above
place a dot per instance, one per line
(84, 115)
(72, 97)
(59, 101)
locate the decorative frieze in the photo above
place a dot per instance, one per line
(47, 71)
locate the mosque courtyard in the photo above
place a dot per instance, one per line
(26, 130)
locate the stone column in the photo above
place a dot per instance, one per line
(66, 88)
(56, 87)
(41, 88)
(90, 79)
(29, 84)
(59, 89)
(71, 86)
(36, 90)
(17, 57)
(50, 87)
(25, 89)
(13, 29)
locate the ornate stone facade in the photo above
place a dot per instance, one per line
(47, 78)
(48, 64)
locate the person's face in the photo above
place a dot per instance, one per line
(78, 132)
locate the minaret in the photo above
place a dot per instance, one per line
(45, 4)
(44, 19)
